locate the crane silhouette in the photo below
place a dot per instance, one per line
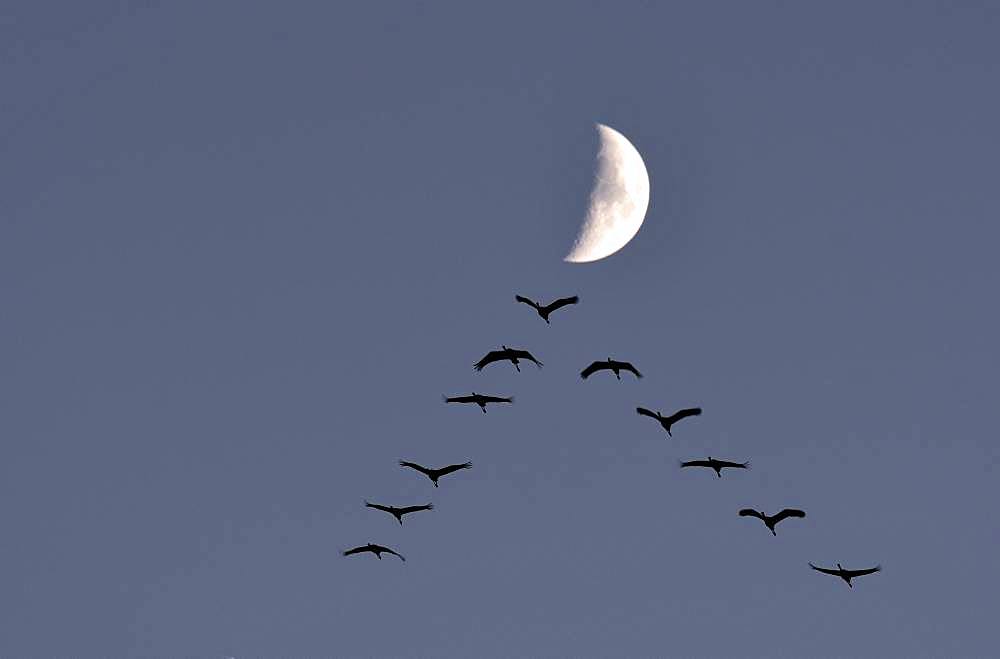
(846, 575)
(610, 365)
(512, 355)
(717, 465)
(435, 474)
(478, 399)
(399, 512)
(545, 310)
(668, 421)
(378, 550)
(771, 520)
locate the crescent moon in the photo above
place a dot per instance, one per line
(618, 201)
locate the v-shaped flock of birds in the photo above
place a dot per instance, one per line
(514, 356)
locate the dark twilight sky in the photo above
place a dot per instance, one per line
(245, 248)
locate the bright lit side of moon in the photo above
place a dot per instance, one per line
(618, 200)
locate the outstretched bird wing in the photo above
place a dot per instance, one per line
(824, 570)
(644, 412)
(734, 465)
(789, 512)
(394, 553)
(491, 356)
(524, 354)
(450, 468)
(627, 366)
(413, 509)
(459, 399)
(560, 303)
(386, 550)
(698, 463)
(379, 507)
(356, 550)
(683, 414)
(750, 512)
(413, 465)
(594, 368)
(861, 573)
(531, 303)
(497, 399)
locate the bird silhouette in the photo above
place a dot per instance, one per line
(478, 399)
(771, 520)
(846, 575)
(399, 512)
(545, 310)
(378, 550)
(668, 421)
(610, 365)
(435, 474)
(717, 465)
(506, 354)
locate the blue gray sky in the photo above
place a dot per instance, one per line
(246, 247)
